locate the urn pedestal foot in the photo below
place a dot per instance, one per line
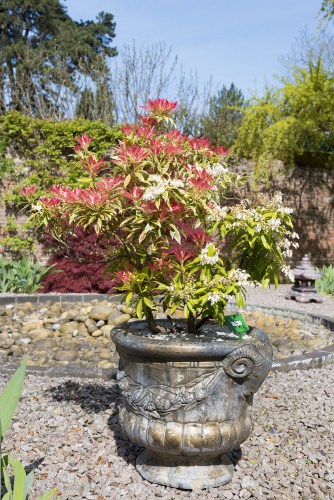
(184, 472)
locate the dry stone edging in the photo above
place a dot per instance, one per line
(98, 327)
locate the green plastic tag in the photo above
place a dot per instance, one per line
(236, 323)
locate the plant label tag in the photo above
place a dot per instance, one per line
(236, 323)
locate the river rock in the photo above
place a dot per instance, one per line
(27, 306)
(24, 341)
(89, 355)
(63, 355)
(104, 353)
(32, 325)
(68, 328)
(105, 364)
(126, 309)
(6, 343)
(55, 309)
(80, 317)
(45, 343)
(68, 314)
(123, 318)
(106, 329)
(101, 312)
(16, 350)
(40, 333)
(112, 316)
(82, 330)
(90, 324)
(97, 333)
(69, 344)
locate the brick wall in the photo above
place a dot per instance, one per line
(310, 192)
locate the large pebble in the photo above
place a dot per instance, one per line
(45, 343)
(68, 328)
(32, 325)
(101, 312)
(80, 317)
(62, 355)
(90, 324)
(40, 333)
(5, 343)
(106, 330)
(82, 330)
(68, 314)
(97, 333)
(123, 318)
(24, 341)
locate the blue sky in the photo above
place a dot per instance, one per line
(237, 41)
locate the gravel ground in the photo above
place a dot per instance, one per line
(68, 431)
(275, 297)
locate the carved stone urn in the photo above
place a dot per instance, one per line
(187, 399)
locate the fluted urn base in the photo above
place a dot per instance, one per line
(187, 473)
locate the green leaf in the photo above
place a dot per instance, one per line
(19, 479)
(128, 297)
(7, 482)
(264, 242)
(48, 495)
(148, 303)
(276, 280)
(10, 397)
(139, 309)
(28, 482)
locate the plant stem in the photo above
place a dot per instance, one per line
(152, 324)
(191, 323)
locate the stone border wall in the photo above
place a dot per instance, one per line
(314, 359)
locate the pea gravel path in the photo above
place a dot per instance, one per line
(68, 431)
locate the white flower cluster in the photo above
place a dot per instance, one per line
(216, 169)
(288, 272)
(214, 297)
(287, 253)
(176, 183)
(286, 244)
(218, 213)
(185, 292)
(278, 198)
(240, 276)
(209, 255)
(153, 192)
(274, 223)
(38, 207)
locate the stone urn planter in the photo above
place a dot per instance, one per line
(187, 399)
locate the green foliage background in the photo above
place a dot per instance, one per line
(45, 148)
(294, 123)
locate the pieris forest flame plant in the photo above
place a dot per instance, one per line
(181, 244)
